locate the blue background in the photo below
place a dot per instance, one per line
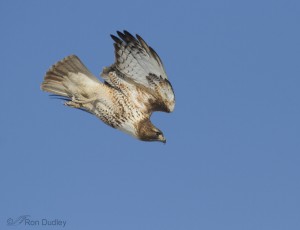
(232, 156)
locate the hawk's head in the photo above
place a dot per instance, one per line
(146, 131)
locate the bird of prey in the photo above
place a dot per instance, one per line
(134, 86)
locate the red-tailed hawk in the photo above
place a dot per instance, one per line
(134, 86)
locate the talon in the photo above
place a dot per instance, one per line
(84, 101)
(72, 104)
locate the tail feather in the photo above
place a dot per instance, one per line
(62, 77)
(54, 96)
(54, 87)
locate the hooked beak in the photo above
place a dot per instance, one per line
(163, 140)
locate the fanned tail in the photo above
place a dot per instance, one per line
(66, 76)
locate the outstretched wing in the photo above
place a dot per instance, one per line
(139, 64)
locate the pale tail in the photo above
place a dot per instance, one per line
(65, 77)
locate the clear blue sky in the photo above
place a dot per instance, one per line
(233, 152)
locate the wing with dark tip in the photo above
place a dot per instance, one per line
(141, 65)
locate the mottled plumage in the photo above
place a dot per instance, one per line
(134, 86)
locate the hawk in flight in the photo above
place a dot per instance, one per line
(134, 86)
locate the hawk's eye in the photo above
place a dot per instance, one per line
(158, 133)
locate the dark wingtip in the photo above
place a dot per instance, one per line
(129, 35)
(139, 37)
(115, 38)
(126, 36)
(143, 43)
(120, 34)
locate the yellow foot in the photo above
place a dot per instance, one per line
(72, 104)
